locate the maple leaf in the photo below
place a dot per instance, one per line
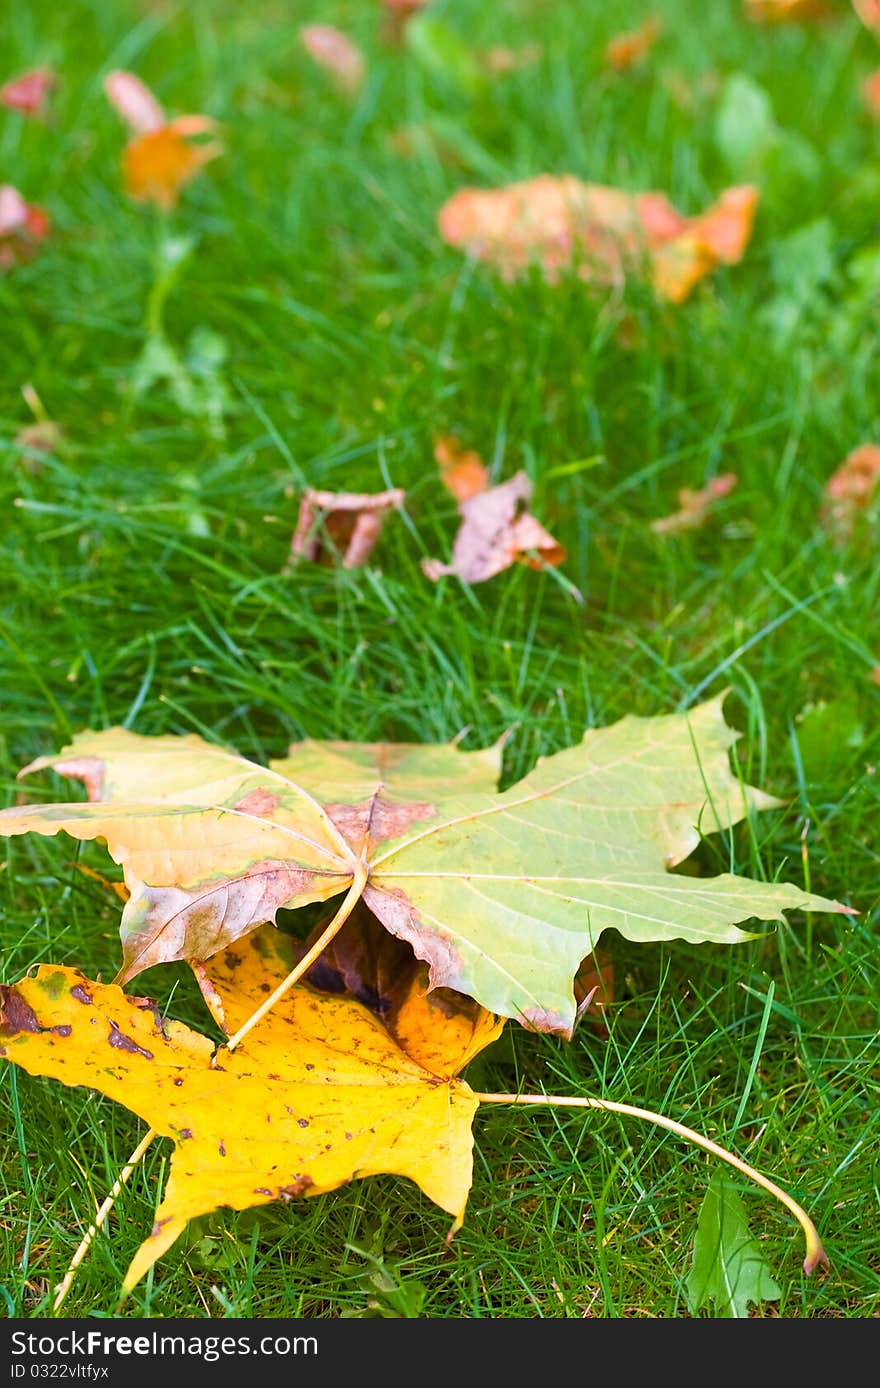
(159, 161)
(695, 506)
(563, 224)
(29, 92)
(22, 228)
(321, 1094)
(346, 523)
(502, 894)
(334, 51)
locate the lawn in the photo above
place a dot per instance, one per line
(297, 321)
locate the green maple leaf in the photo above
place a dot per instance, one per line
(502, 894)
(728, 1267)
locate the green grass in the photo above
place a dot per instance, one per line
(144, 583)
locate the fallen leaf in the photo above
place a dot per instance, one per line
(783, 11)
(625, 50)
(29, 92)
(336, 53)
(562, 224)
(346, 524)
(501, 894)
(22, 228)
(160, 160)
(850, 491)
(462, 470)
(695, 507)
(496, 531)
(318, 1095)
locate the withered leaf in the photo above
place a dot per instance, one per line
(501, 894)
(497, 529)
(695, 507)
(160, 159)
(319, 1094)
(566, 226)
(785, 11)
(341, 526)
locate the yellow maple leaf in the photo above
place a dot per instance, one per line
(319, 1094)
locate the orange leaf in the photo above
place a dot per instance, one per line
(461, 469)
(22, 228)
(600, 233)
(695, 506)
(349, 523)
(29, 92)
(850, 491)
(625, 50)
(158, 164)
(336, 53)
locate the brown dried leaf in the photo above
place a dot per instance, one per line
(497, 531)
(850, 491)
(346, 523)
(336, 53)
(29, 92)
(625, 50)
(695, 507)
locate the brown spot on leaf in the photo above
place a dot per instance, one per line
(158, 1226)
(377, 818)
(222, 1148)
(15, 1014)
(303, 1122)
(177, 1083)
(542, 1019)
(81, 994)
(259, 802)
(184, 1133)
(63, 1029)
(297, 1187)
(262, 1190)
(122, 1042)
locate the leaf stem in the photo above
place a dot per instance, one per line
(66, 1282)
(815, 1252)
(349, 902)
